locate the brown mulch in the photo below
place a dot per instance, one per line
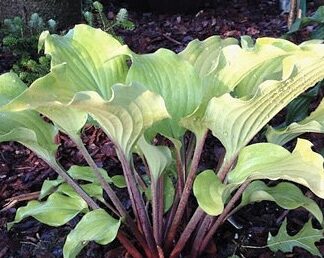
(21, 172)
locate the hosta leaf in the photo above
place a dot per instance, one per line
(126, 116)
(26, 127)
(119, 181)
(208, 190)
(79, 63)
(48, 187)
(96, 226)
(305, 239)
(157, 157)
(246, 68)
(93, 190)
(297, 110)
(205, 57)
(172, 77)
(86, 174)
(267, 160)
(47, 95)
(313, 123)
(57, 210)
(286, 195)
(85, 52)
(235, 121)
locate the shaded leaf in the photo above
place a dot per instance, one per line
(168, 193)
(305, 239)
(313, 123)
(57, 210)
(208, 190)
(157, 157)
(96, 226)
(286, 195)
(86, 174)
(119, 181)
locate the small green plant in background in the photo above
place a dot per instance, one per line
(96, 17)
(316, 21)
(228, 87)
(21, 39)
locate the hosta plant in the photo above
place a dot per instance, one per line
(227, 87)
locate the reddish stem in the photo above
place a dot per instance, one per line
(197, 216)
(186, 193)
(220, 220)
(138, 203)
(131, 249)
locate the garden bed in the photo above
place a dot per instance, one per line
(22, 173)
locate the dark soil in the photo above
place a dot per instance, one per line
(21, 172)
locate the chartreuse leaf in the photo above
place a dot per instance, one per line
(313, 123)
(286, 195)
(205, 57)
(271, 161)
(126, 116)
(208, 190)
(96, 226)
(172, 77)
(305, 239)
(26, 127)
(85, 51)
(48, 187)
(157, 157)
(79, 63)
(119, 181)
(58, 185)
(244, 69)
(84, 174)
(57, 210)
(93, 190)
(235, 121)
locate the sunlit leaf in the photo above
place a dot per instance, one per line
(85, 51)
(80, 62)
(235, 121)
(271, 161)
(26, 127)
(172, 77)
(126, 116)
